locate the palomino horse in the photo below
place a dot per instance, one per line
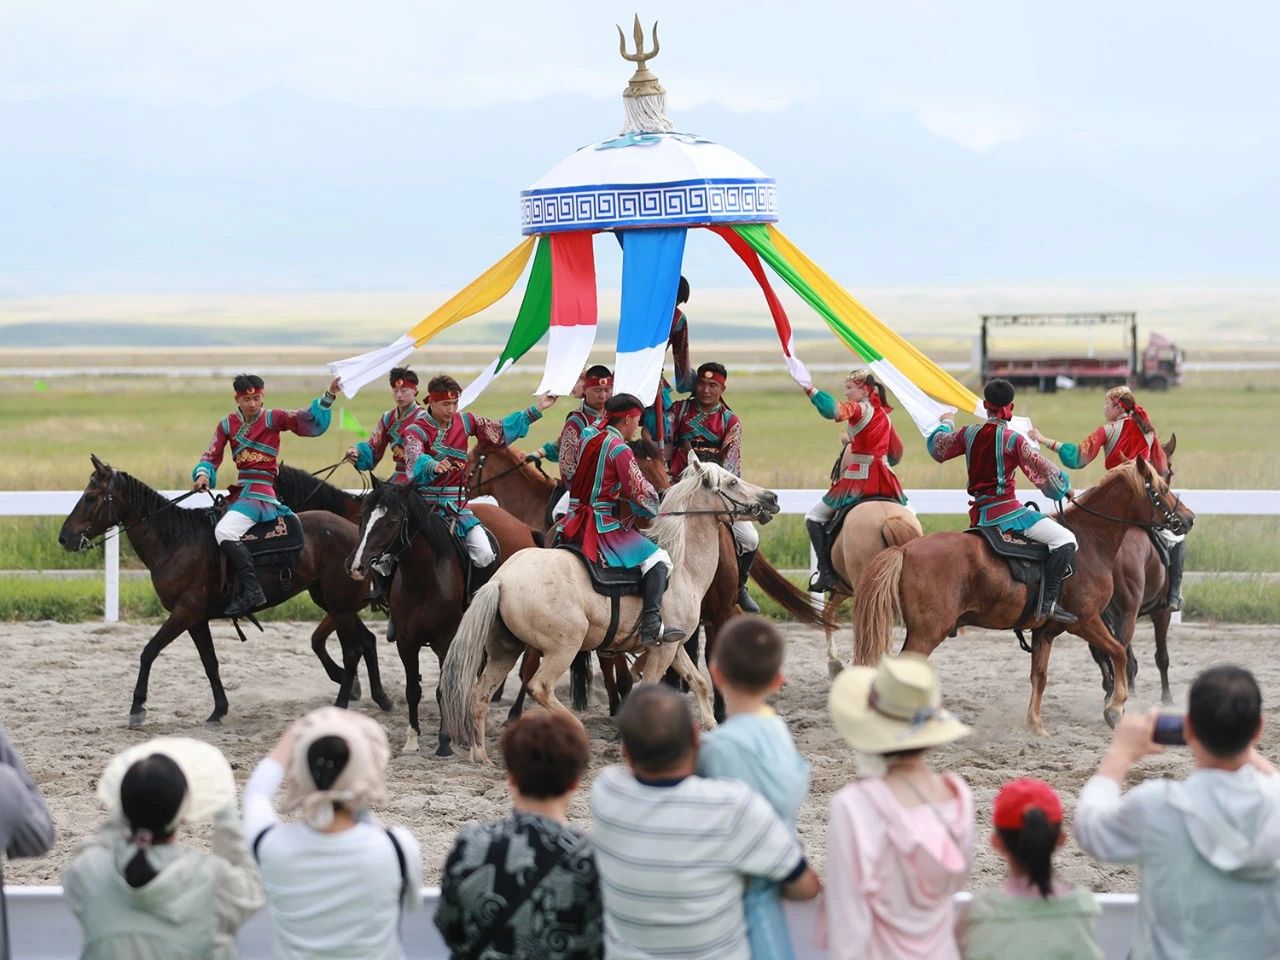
(505, 474)
(548, 602)
(945, 580)
(428, 595)
(178, 548)
(870, 527)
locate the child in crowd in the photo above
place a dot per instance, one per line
(1033, 914)
(754, 746)
(137, 892)
(898, 840)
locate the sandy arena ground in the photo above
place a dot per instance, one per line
(67, 687)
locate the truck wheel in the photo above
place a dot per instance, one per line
(1157, 384)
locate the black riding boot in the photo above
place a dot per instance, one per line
(1056, 570)
(1177, 558)
(825, 579)
(652, 588)
(382, 573)
(745, 603)
(248, 595)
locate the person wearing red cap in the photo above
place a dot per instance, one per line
(253, 434)
(596, 385)
(1034, 914)
(994, 454)
(871, 450)
(705, 424)
(1126, 435)
(435, 455)
(608, 474)
(391, 427)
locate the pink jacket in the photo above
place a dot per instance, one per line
(892, 872)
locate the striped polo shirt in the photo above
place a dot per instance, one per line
(673, 857)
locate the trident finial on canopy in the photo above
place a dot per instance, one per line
(643, 83)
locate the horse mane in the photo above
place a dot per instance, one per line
(645, 449)
(421, 517)
(171, 525)
(514, 456)
(297, 488)
(1126, 473)
(669, 529)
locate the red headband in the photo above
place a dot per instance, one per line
(436, 396)
(605, 381)
(1017, 797)
(1000, 413)
(709, 374)
(251, 392)
(626, 412)
(402, 382)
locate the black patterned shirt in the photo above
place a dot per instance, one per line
(492, 863)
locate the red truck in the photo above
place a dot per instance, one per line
(1157, 367)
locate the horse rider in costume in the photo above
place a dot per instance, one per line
(597, 387)
(1127, 435)
(656, 423)
(872, 448)
(704, 424)
(607, 474)
(995, 453)
(391, 427)
(254, 436)
(435, 456)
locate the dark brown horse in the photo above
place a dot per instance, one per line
(178, 548)
(946, 580)
(429, 593)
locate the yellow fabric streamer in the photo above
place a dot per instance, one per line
(482, 292)
(913, 364)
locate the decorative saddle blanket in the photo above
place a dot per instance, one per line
(276, 543)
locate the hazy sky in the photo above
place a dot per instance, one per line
(290, 145)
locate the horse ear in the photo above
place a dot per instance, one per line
(98, 465)
(1171, 446)
(376, 483)
(693, 457)
(1143, 470)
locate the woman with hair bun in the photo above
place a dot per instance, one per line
(136, 891)
(337, 881)
(1034, 914)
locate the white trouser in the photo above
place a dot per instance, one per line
(657, 557)
(478, 548)
(1050, 532)
(1170, 538)
(232, 526)
(820, 512)
(745, 535)
(561, 507)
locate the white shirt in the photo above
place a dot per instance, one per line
(330, 894)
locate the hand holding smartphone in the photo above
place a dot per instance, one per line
(1169, 730)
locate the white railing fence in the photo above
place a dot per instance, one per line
(59, 503)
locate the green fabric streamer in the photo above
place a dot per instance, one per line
(350, 423)
(534, 319)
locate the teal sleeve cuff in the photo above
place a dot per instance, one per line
(364, 456)
(1069, 454)
(322, 413)
(424, 470)
(205, 468)
(326, 400)
(551, 451)
(825, 403)
(516, 425)
(942, 429)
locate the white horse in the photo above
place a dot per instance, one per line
(544, 598)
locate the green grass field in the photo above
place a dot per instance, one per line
(157, 429)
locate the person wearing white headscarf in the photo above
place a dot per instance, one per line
(337, 881)
(138, 893)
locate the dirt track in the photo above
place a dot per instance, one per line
(67, 687)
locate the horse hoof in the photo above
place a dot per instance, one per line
(1112, 716)
(384, 703)
(213, 723)
(356, 691)
(411, 742)
(834, 668)
(136, 718)
(444, 750)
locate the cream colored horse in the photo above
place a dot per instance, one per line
(869, 528)
(543, 598)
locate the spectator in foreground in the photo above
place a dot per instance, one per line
(674, 849)
(137, 892)
(337, 881)
(1034, 914)
(26, 829)
(526, 887)
(898, 841)
(754, 746)
(1207, 847)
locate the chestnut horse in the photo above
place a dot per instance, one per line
(946, 580)
(428, 594)
(178, 548)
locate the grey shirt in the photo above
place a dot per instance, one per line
(26, 829)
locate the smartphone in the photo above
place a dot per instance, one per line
(1169, 730)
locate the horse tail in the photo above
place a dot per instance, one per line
(876, 603)
(785, 593)
(899, 529)
(580, 674)
(461, 667)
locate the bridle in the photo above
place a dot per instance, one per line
(736, 510)
(1172, 522)
(478, 470)
(113, 521)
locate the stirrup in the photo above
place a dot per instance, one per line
(1056, 613)
(824, 581)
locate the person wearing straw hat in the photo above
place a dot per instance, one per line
(338, 880)
(898, 840)
(138, 893)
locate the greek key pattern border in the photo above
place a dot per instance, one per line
(696, 202)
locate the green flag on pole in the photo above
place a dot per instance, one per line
(349, 422)
(41, 387)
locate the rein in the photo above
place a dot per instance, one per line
(110, 498)
(478, 470)
(1172, 521)
(736, 510)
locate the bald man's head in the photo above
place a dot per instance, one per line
(657, 728)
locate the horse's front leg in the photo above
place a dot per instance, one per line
(1041, 648)
(1096, 633)
(1161, 619)
(369, 648)
(204, 645)
(698, 684)
(407, 647)
(178, 621)
(830, 611)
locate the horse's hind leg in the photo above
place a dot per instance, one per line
(543, 685)
(444, 746)
(319, 636)
(529, 661)
(348, 626)
(163, 637)
(1161, 619)
(501, 655)
(829, 613)
(369, 647)
(407, 647)
(204, 645)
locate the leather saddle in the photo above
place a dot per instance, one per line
(1026, 565)
(609, 581)
(276, 543)
(832, 526)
